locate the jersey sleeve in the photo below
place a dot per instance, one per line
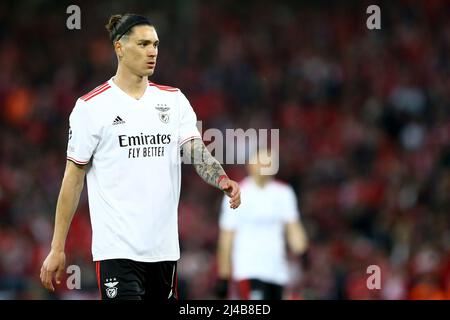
(83, 134)
(188, 122)
(228, 218)
(290, 206)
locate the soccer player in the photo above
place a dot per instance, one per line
(127, 136)
(252, 244)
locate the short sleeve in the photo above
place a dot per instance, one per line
(290, 206)
(188, 122)
(228, 218)
(83, 134)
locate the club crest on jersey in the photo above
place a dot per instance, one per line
(164, 117)
(111, 289)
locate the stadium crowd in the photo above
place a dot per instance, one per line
(364, 120)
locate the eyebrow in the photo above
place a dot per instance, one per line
(148, 41)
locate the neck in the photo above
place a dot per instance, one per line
(261, 181)
(132, 84)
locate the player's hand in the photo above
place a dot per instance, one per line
(231, 189)
(53, 265)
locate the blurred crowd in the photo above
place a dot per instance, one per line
(364, 119)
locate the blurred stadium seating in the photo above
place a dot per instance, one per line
(364, 119)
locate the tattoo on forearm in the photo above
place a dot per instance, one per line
(207, 167)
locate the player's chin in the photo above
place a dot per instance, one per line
(149, 72)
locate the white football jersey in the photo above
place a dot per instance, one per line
(132, 149)
(259, 245)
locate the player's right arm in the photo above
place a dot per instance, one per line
(225, 245)
(228, 223)
(224, 253)
(68, 199)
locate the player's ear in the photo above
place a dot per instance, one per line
(118, 47)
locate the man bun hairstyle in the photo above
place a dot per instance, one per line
(113, 20)
(121, 25)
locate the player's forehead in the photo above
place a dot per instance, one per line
(144, 32)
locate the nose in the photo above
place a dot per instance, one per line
(152, 52)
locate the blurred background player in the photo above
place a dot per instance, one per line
(253, 240)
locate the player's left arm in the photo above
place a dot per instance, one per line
(297, 241)
(296, 237)
(210, 170)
